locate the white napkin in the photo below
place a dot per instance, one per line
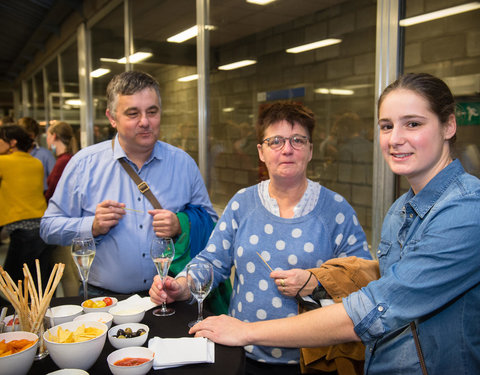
(136, 302)
(181, 351)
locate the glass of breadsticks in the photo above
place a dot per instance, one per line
(30, 301)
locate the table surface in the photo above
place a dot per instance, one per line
(228, 360)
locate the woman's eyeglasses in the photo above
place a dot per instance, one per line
(298, 142)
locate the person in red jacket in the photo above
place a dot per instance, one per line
(61, 140)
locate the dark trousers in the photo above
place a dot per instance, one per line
(26, 246)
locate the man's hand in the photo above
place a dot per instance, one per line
(170, 291)
(222, 329)
(107, 215)
(165, 223)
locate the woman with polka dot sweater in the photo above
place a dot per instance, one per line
(422, 315)
(290, 222)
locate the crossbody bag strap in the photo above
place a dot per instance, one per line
(141, 185)
(419, 348)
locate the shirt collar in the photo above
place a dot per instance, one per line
(428, 196)
(119, 153)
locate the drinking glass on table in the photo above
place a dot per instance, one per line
(162, 252)
(83, 252)
(199, 280)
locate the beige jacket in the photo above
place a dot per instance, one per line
(340, 277)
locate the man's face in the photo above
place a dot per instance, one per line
(137, 120)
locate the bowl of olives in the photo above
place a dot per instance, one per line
(128, 334)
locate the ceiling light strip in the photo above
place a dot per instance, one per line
(314, 45)
(440, 14)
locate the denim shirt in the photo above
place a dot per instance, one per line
(429, 260)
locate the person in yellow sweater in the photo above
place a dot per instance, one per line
(22, 203)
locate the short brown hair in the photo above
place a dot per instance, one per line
(292, 112)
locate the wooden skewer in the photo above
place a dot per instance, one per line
(264, 261)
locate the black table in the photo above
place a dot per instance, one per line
(228, 360)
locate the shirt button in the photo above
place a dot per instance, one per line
(139, 199)
(411, 215)
(380, 308)
(370, 350)
(143, 255)
(141, 226)
(144, 281)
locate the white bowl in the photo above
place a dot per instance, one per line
(18, 363)
(81, 355)
(126, 342)
(102, 317)
(99, 309)
(69, 371)
(63, 314)
(126, 314)
(10, 328)
(132, 352)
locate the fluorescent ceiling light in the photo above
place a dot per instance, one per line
(99, 72)
(238, 64)
(326, 91)
(136, 57)
(440, 14)
(314, 45)
(75, 102)
(189, 78)
(260, 2)
(185, 35)
(228, 109)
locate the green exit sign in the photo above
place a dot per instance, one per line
(468, 113)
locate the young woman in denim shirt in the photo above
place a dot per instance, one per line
(429, 255)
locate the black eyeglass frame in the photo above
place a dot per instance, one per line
(284, 141)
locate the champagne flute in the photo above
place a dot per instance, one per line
(199, 280)
(83, 252)
(162, 252)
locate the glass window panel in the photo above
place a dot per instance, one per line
(343, 147)
(107, 38)
(39, 102)
(53, 90)
(71, 90)
(449, 48)
(153, 23)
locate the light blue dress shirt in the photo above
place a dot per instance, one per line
(47, 159)
(429, 259)
(122, 262)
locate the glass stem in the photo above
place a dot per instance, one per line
(164, 307)
(200, 311)
(85, 291)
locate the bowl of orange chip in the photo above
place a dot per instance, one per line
(17, 351)
(76, 344)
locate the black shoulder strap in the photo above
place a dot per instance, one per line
(142, 185)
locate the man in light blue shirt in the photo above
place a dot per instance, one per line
(94, 190)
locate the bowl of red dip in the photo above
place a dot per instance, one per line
(134, 360)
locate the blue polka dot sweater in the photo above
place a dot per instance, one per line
(330, 230)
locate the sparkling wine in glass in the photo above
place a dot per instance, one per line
(199, 279)
(83, 252)
(162, 252)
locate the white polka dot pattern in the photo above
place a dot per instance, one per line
(263, 285)
(352, 239)
(217, 263)
(211, 248)
(308, 247)
(292, 259)
(235, 205)
(276, 353)
(249, 296)
(265, 255)
(253, 239)
(234, 224)
(268, 228)
(250, 267)
(340, 218)
(276, 302)
(280, 245)
(240, 251)
(261, 314)
(222, 226)
(296, 233)
(226, 244)
(338, 239)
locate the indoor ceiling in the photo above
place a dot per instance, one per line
(26, 27)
